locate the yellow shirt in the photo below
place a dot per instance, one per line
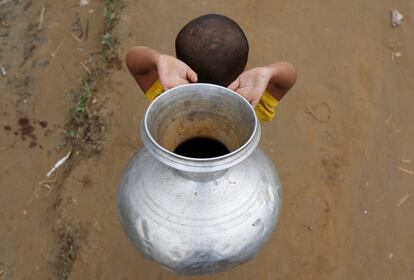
(265, 110)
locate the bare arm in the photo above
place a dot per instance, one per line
(277, 78)
(147, 65)
(282, 78)
(142, 64)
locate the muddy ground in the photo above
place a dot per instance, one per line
(342, 140)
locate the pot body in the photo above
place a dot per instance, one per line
(199, 216)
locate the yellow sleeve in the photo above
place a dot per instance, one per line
(265, 110)
(154, 91)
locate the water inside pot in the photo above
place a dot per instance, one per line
(201, 147)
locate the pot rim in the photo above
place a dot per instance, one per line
(198, 164)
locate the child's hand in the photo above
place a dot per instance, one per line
(251, 84)
(173, 72)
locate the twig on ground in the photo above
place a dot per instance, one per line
(42, 17)
(406, 160)
(86, 32)
(405, 170)
(403, 200)
(46, 182)
(47, 187)
(53, 54)
(75, 37)
(86, 68)
(35, 192)
(4, 24)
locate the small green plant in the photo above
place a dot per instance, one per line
(108, 46)
(110, 14)
(70, 133)
(59, 147)
(79, 110)
(95, 75)
(85, 125)
(67, 256)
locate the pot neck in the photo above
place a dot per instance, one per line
(205, 167)
(196, 110)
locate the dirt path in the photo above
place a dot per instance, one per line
(43, 75)
(342, 140)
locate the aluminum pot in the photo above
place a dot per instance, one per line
(199, 215)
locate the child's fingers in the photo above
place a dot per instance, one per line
(192, 76)
(234, 85)
(254, 102)
(164, 84)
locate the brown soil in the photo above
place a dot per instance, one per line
(342, 141)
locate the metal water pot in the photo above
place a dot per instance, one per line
(199, 215)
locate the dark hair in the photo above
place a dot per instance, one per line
(215, 47)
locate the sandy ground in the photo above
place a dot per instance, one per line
(342, 140)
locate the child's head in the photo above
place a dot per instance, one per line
(215, 47)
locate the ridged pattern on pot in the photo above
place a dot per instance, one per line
(195, 227)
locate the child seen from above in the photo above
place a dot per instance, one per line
(212, 49)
